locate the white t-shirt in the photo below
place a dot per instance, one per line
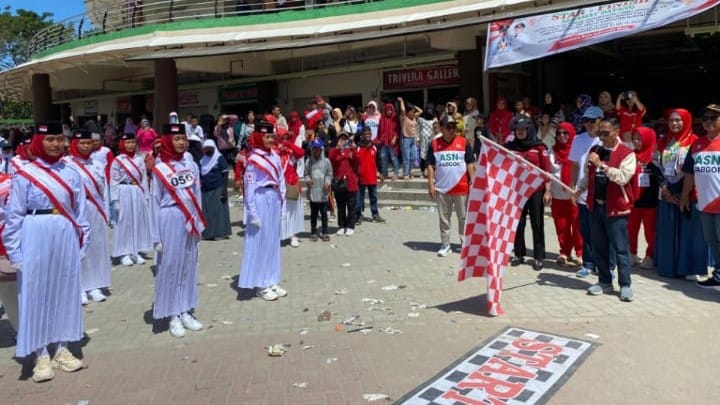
(578, 153)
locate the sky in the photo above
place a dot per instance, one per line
(61, 9)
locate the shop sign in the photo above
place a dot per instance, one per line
(420, 78)
(122, 105)
(520, 39)
(188, 98)
(90, 107)
(238, 93)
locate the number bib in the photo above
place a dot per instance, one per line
(181, 180)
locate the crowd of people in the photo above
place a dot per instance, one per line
(61, 190)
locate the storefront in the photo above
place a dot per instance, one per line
(420, 86)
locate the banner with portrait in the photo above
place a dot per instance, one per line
(517, 40)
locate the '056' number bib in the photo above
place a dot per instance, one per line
(181, 180)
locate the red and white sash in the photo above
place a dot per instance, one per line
(131, 168)
(265, 165)
(17, 163)
(95, 191)
(184, 197)
(55, 189)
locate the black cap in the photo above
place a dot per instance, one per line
(127, 136)
(25, 138)
(81, 134)
(522, 123)
(343, 134)
(48, 128)
(173, 129)
(264, 127)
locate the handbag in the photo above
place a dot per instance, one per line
(339, 186)
(292, 191)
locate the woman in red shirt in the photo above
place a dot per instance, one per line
(630, 112)
(145, 136)
(534, 151)
(344, 160)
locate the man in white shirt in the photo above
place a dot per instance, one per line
(471, 115)
(578, 155)
(196, 136)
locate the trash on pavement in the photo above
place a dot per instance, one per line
(331, 360)
(364, 330)
(375, 397)
(345, 265)
(300, 384)
(351, 319)
(373, 301)
(91, 331)
(592, 336)
(413, 315)
(306, 347)
(390, 331)
(303, 331)
(324, 316)
(341, 291)
(277, 349)
(392, 287)
(211, 285)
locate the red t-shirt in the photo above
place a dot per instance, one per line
(629, 119)
(367, 165)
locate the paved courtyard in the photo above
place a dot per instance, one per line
(659, 349)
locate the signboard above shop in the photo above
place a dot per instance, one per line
(435, 76)
(238, 94)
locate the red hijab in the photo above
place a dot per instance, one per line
(388, 126)
(295, 124)
(21, 151)
(685, 137)
(167, 149)
(562, 152)
(74, 151)
(647, 149)
(37, 149)
(257, 140)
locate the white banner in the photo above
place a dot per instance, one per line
(517, 40)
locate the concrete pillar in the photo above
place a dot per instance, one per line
(42, 98)
(470, 66)
(165, 100)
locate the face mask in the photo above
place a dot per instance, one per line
(209, 153)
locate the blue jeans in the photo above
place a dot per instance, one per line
(409, 154)
(387, 151)
(372, 191)
(608, 234)
(711, 232)
(587, 255)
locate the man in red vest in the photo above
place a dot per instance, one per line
(609, 178)
(450, 161)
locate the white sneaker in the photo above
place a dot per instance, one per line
(444, 250)
(97, 295)
(126, 261)
(647, 263)
(139, 259)
(176, 328)
(84, 298)
(267, 294)
(189, 322)
(349, 232)
(279, 291)
(694, 277)
(294, 241)
(340, 231)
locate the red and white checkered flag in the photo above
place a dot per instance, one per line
(503, 183)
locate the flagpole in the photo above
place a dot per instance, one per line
(516, 156)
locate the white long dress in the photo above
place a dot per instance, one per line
(293, 222)
(132, 231)
(48, 248)
(264, 191)
(177, 265)
(96, 267)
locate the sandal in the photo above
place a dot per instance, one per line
(314, 238)
(325, 238)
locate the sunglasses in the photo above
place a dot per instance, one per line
(706, 118)
(603, 134)
(562, 133)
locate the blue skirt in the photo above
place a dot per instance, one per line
(680, 248)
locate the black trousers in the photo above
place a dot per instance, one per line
(534, 206)
(315, 209)
(346, 201)
(195, 150)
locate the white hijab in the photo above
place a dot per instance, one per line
(207, 163)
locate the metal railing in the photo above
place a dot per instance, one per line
(126, 14)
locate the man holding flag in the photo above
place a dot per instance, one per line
(450, 161)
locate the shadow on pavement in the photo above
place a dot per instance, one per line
(7, 334)
(691, 290)
(476, 305)
(425, 246)
(564, 281)
(158, 325)
(243, 294)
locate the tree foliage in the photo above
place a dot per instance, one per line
(16, 32)
(16, 110)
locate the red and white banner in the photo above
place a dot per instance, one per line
(503, 183)
(517, 40)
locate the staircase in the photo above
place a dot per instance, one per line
(404, 194)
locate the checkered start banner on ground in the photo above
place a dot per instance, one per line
(503, 183)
